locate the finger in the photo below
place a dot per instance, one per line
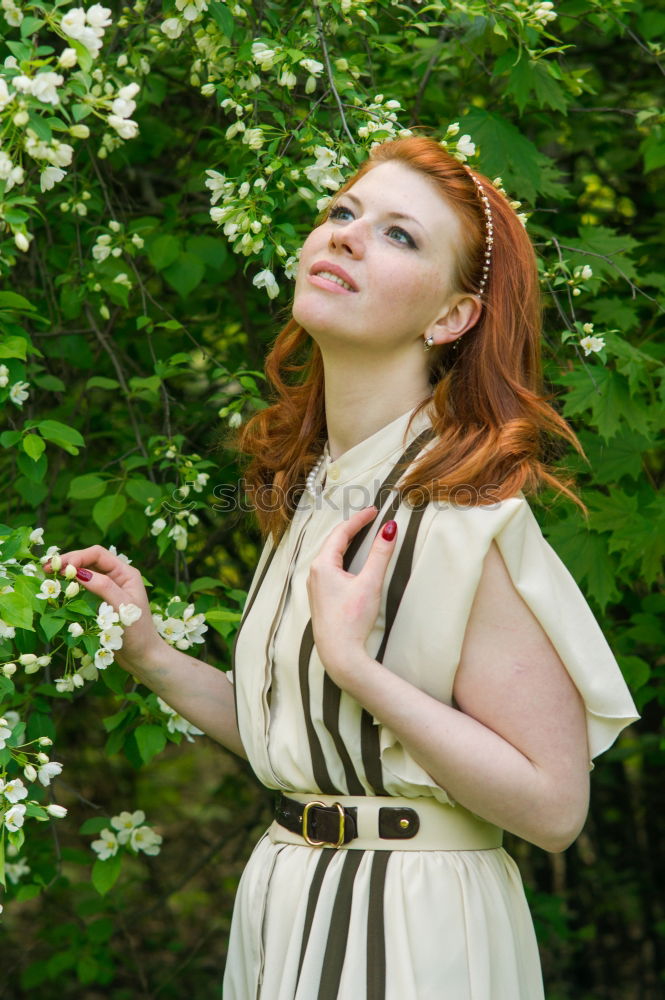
(333, 549)
(380, 554)
(97, 558)
(103, 586)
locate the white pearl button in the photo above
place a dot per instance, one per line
(333, 473)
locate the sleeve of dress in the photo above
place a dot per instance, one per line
(426, 643)
(548, 588)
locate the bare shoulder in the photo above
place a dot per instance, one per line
(511, 678)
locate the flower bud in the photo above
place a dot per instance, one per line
(80, 131)
(59, 812)
(45, 741)
(75, 630)
(8, 669)
(43, 661)
(69, 571)
(21, 118)
(43, 758)
(22, 242)
(27, 659)
(72, 589)
(68, 58)
(56, 562)
(30, 772)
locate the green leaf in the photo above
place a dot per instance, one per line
(163, 251)
(211, 251)
(105, 873)
(141, 490)
(50, 382)
(16, 608)
(9, 438)
(29, 25)
(150, 740)
(185, 274)
(13, 347)
(33, 446)
(61, 434)
(108, 509)
(223, 17)
(101, 382)
(95, 824)
(51, 625)
(83, 54)
(34, 469)
(204, 583)
(86, 487)
(11, 300)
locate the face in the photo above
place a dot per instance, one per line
(378, 271)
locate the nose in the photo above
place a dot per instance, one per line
(349, 239)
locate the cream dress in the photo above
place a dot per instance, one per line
(325, 924)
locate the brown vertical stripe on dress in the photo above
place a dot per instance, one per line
(331, 699)
(319, 767)
(376, 936)
(332, 696)
(327, 854)
(333, 959)
(386, 486)
(369, 732)
(246, 611)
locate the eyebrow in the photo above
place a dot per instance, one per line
(391, 215)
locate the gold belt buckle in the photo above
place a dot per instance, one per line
(320, 843)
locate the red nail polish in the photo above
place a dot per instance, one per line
(84, 574)
(389, 530)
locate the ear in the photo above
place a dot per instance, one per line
(455, 321)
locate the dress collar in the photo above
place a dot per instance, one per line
(373, 451)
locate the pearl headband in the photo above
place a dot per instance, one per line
(489, 228)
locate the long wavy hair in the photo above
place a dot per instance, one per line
(494, 427)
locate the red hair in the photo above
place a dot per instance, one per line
(491, 419)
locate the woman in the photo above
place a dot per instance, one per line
(416, 670)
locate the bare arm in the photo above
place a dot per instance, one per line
(515, 750)
(200, 693)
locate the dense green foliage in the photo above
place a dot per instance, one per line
(148, 235)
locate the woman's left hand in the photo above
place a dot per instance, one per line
(344, 606)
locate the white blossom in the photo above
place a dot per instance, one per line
(125, 822)
(172, 629)
(592, 344)
(125, 127)
(103, 658)
(5, 733)
(172, 27)
(68, 58)
(586, 272)
(190, 9)
(48, 771)
(263, 55)
(49, 590)
(465, 147)
(50, 177)
(7, 631)
(44, 87)
(13, 790)
(107, 845)
(312, 66)
(14, 818)
(106, 615)
(6, 96)
(129, 613)
(179, 535)
(4, 376)
(157, 526)
(37, 536)
(144, 838)
(58, 812)
(111, 637)
(176, 723)
(30, 772)
(16, 869)
(266, 279)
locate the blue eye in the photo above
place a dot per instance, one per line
(337, 211)
(406, 238)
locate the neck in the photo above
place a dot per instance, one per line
(361, 398)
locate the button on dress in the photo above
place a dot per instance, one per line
(325, 924)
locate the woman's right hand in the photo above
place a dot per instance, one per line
(116, 582)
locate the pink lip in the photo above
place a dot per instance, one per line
(325, 265)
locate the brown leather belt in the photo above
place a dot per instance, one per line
(335, 825)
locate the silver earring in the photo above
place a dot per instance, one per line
(429, 343)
